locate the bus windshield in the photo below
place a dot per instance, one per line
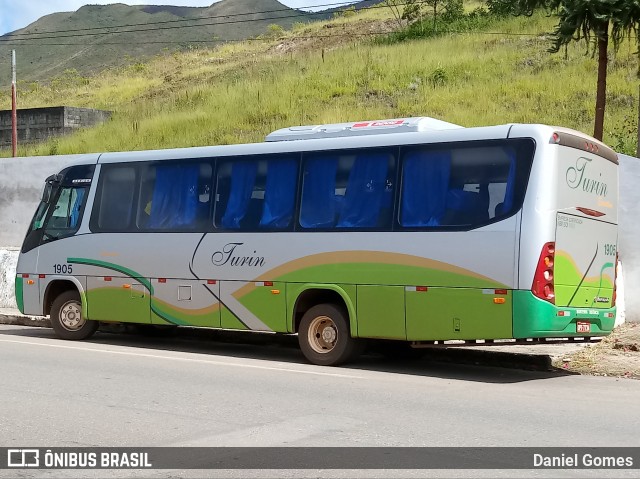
(60, 217)
(60, 209)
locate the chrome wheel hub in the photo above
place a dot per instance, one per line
(71, 316)
(323, 334)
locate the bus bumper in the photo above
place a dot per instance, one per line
(535, 318)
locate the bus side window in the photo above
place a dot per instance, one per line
(318, 205)
(256, 194)
(346, 190)
(116, 198)
(170, 196)
(425, 184)
(236, 181)
(279, 193)
(368, 187)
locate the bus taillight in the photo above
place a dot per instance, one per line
(543, 279)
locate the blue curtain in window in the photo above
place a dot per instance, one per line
(75, 209)
(365, 191)
(279, 195)
(468, 207)
(318, 207)
(460, 200)
(511, 182)
(243, 179)
(425, 182)
(175, 197)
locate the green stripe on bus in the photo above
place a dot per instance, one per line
(19, 294)
(166, 316)
(115, 267)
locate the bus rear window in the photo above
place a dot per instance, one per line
(463, 187)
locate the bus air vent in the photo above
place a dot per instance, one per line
(359, 128)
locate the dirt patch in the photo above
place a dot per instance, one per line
(332, 36)
(617, 355)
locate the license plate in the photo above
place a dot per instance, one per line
(583, 327)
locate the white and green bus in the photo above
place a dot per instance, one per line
(412, 230)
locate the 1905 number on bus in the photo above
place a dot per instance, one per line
(62, 268)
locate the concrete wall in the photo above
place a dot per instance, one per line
(629, 233)
(38, 124)
(22, 180)
(21, 184)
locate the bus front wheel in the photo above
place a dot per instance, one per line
(324, 336)
(67, 320)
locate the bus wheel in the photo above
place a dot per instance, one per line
(67, 320)
(324, 336)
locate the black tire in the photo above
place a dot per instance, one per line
(325, 338)
(65, 310)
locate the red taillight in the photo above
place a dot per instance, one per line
(543, 279)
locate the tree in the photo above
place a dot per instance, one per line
(453, 8)
(587, 19)
(628, 24)
(590, 21)
(410, 13)
(394, 6)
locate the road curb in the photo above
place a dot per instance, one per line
(21, 320)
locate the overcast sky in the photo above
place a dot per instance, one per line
(18, 14)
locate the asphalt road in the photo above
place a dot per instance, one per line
(128, 390)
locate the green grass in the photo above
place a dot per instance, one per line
(241, 92)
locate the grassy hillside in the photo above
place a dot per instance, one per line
(332, 72)
(44, 55)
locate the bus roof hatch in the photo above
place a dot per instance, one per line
(376, 127)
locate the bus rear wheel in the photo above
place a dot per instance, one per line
(324, 336)
(67, 320)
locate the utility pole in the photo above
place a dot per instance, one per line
(14, 113)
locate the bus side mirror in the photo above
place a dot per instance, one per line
(53, 180)
(46, 193)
